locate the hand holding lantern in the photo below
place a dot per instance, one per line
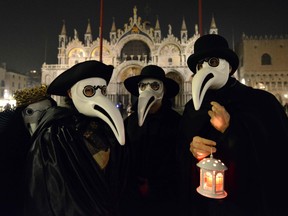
(201, 147)
(211, 170)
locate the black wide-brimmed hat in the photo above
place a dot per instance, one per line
(155, 72)
(80, 71)
(212, 45)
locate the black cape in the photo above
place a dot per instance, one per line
(14, 145)
(62, 176)
(152, 185)
(253, 148)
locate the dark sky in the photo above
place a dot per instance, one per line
(30, 28)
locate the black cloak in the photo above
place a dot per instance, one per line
(14, 145)
(62, 176)
(254, 149)
(152, 184)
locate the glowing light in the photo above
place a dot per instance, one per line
(208, 179)
(212, 178)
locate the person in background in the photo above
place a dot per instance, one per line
(16, 128)
(34, 102)
(77, 163)
(151, 137)
(246, 128)
(128, 109)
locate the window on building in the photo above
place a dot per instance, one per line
(2, 83)
(136, 50)
(279, 85)
(170, 61)
(266, 59)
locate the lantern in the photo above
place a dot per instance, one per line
(212, 178)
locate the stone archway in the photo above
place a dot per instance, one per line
(123, 95)
(178, 100)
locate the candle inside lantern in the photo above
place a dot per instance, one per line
(219, 182)
(209, 180)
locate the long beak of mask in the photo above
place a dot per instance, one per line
(209, 78)
(145, 101)
(149, 97)
(99, 106)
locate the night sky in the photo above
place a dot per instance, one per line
(30, 28)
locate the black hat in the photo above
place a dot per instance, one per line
(212, 45)
(156, 72)
(80, 71)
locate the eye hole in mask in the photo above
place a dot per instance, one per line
(212, 61)
(90, 91)
(30, 112)
(154, 86)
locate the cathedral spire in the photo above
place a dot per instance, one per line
(213, 23)
(157, 25)
(63, 41)
(63, 30)
(213, 27)
(88, 34)
(183, 27)
(113, 28)
(184, 32)
(88, 30)
(157, 31)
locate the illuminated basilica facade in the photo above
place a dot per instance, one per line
(139, 44)
(129, 50)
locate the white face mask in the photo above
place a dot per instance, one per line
(33, 113)
(151, 92)
(209, 77)
(89, 98)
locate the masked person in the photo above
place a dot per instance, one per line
(245, 128)
(35, 107)
(76, 165)
(16, 128)
(151, 137)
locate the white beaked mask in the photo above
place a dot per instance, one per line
(211, 73)
(89, 98)
(33, 112)
(151, 91)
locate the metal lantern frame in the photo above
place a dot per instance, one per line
(212, 178)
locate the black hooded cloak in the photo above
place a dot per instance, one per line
(62, 176)
(152, 184)
(254, 149)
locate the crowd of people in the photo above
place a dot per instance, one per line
(85, 159)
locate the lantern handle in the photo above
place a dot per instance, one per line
(211, 154)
